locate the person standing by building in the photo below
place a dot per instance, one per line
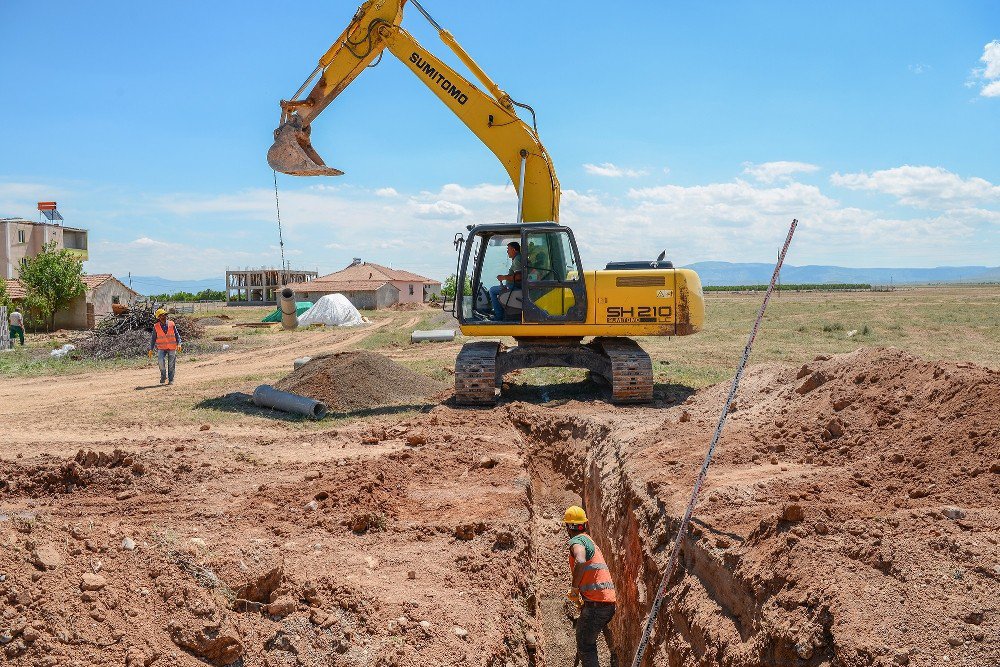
(592, 588)
(166, 342)
(16, 326)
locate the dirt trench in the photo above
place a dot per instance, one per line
(850, 518)
(580, 460)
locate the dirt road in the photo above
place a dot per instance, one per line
(42, 413)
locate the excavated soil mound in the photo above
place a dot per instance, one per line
(352, 381)
(850, 517)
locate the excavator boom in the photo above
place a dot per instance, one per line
(491, 117)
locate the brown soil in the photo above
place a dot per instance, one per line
(354, 381)
(850, 518)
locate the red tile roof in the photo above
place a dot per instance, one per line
(368, 271)
(90, 281)
(322, 285)
(15, 290)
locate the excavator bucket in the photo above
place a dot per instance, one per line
(292, 153)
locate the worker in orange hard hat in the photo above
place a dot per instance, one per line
(592, 588)
(166, 342)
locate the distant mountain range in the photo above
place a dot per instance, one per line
(712, 273)
(728, 273)
(147, 285)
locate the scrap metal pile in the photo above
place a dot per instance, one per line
(127, 334)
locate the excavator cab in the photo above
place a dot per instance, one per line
(552, 287)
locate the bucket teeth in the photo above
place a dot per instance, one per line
(292, 153)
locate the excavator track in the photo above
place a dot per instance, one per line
(476, 373)
(631, 370)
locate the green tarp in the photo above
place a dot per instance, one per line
(300, 307)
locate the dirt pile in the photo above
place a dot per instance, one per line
(353, 381)
(218, 557)
(850, 516)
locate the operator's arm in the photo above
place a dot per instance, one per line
(579, 558)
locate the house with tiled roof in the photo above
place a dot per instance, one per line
(101, 292)
(370, 286)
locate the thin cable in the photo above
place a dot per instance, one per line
(675, 552)
(281, 239)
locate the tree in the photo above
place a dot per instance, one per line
(51, 279)
(451, 282)
(5, 298)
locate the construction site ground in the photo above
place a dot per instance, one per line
(851, 517)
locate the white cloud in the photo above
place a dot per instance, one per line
(919, 68)
(612, 171)
(989, 75)
(484, 192)
(991, 58)
(146, 242)
(991, 90)
(440, 210)
(927, 187)
(386, 192)
(769, 172)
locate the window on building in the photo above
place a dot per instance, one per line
(116, 299)
(24, 261)
(20, 236)
(411, 290)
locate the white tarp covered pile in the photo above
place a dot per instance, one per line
(332, 310)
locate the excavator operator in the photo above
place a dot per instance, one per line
(513, 278)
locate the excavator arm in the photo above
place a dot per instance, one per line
(491, 117)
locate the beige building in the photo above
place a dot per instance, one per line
(21, 239)
(369, 286)
(103, 290)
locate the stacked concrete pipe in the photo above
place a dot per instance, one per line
(289, 320)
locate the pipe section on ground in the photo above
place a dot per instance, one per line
(266, 396)
(289, 319)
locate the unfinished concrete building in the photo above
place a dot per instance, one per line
(259, 287)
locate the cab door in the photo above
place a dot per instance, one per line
(552, 276)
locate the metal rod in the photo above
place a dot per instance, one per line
(520, 188)
(703, 473)
(426, 15)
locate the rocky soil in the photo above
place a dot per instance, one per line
(851, 518)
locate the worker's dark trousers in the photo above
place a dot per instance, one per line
(16, 331)
(593, 618)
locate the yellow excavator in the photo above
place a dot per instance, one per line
(549, 303)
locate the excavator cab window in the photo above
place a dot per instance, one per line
(553, 281)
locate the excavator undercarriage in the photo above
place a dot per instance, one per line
(620, 362)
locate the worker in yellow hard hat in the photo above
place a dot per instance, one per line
(166, 342)
(592, 588)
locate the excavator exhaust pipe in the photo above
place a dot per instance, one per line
(292, 153)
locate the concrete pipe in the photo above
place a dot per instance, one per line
(289, 320)
(267, 396)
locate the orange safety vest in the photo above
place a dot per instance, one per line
(596, 584)
(165, 340)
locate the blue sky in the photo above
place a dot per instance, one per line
(702, 128)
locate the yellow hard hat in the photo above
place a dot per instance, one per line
(160, 312)
(575, 516)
